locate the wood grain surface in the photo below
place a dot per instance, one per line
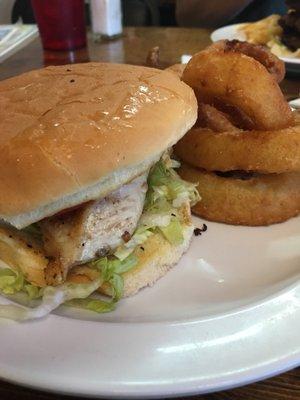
(133, 48)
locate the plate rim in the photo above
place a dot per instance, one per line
(289, 365)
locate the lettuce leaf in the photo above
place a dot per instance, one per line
(76, 295)
(173, 232)
(52, 298)
(96, 305)
(140, 236)
(11, 282)
(111, 270)
(166, 194)
(33, 292)
(165, 184)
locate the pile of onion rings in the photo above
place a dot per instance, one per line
(244, 151)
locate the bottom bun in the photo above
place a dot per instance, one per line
(156, 256)
(255, 201)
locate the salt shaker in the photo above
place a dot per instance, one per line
(106, 18)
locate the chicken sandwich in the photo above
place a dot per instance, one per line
(89, 199)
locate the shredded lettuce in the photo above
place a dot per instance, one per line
(52, 298)
(76, 295)
(33, 292)
(166, 194)
(155, 219)
(140, 236)
(11, 282)
(111, 270)
(96, 305)
(165, 184)
(173, 232)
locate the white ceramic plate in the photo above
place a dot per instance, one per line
(228, 314)
(231, 32)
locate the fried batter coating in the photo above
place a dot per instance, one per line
(210, 117)
(260, 53)
(261, 151)
(238, 80)
(259, 200)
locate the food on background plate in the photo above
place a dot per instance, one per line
(290, 24)
(89, 198)
(263, 31)
(244, 157)
(281, 34)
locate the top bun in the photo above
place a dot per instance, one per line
(73, 133)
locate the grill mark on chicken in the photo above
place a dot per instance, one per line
(94, 230)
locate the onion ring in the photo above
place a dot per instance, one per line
(260, 53)
(238, 117)
(240, 81)
(260, 151)
(262, 200)
(210, 117)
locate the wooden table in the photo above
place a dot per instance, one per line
(133, 48)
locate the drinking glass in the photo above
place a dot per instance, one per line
(61, 23)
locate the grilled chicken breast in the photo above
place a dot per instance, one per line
(93, 230)
(23, 253)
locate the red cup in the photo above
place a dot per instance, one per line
(61, 23)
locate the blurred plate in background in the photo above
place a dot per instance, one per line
(232, 32)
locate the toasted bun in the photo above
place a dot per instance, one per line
(155, 261)
(74, 133)
(155, 257)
